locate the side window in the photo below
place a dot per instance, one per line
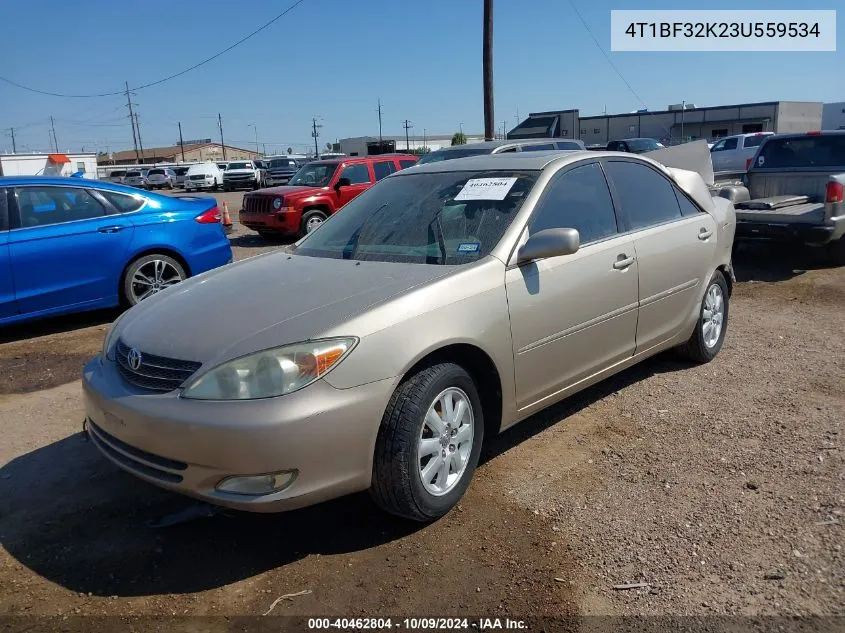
(567, 145)
(718, 147)
(383, 168)
(577, 199)
(688, 208)
(4, 211)
(404, 164)
(510, 149)
(646, 196)
(537, 148)
(43, 206)
(357, 174)
(122, 202)
(730, 143)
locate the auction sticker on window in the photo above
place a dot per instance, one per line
(486, 189)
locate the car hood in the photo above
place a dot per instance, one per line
(264, 302)
(292, 190)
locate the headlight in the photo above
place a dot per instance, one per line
(270, 373)
(277, 203)
(110, 338)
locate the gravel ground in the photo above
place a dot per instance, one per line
(720, 486)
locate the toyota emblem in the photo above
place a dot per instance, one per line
(134, 359)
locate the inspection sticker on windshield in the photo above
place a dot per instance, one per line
(486, 189)
(469, 247)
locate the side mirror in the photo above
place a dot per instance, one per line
(342, 182)
(549, 243)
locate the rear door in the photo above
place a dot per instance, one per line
(8, 307)
(360, 179)
(674, 249)
(67, 247)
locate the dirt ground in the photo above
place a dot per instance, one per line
(720, 486)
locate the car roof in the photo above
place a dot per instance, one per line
(16, 181)
(533, 161)
(359, 159)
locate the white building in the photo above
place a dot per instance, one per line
(48, 164)
(361, 145)
(833, 116)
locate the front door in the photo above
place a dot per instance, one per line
(675, 243)
(574, 315)
(359, 179)
(64, 249)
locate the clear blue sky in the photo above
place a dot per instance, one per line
(333, 58)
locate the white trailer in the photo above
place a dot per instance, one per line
(48, 164)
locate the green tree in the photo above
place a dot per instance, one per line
(459, 139)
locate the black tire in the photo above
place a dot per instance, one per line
(309, 215)
(127, 297)
(695, 348)
(836, 252)
(225, 186)
(396, 485)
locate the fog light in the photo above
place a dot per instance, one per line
(257, 484)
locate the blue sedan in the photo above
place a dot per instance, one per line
(69, 244)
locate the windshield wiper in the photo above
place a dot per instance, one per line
(441, 242)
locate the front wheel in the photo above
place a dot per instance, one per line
(709, 333)
(311, 221)
(149, 275)
(428, 443)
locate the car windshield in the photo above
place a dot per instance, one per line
(754, 141)
(239, 166)
(180, 171)
(429, 218)
(449, 154)
(802, 151)
(638, 145)
(314, 175)
(277, 163)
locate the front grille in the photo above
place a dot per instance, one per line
(131, 458)
(258, 204)
(200, 177)
(155, 373)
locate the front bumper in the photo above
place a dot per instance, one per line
(786, 232)
(282, 222)
(328, 435)
(199, 184)
(275, 181)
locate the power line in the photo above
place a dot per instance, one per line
(164, 79)
(603, 52)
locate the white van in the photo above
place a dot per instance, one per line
(203, 176)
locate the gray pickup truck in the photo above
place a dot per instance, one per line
(793, 191)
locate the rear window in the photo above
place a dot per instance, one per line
(132, 174)
(449, 154)
(156, 172)
(239, 166)
(753, 141)
(802, 151)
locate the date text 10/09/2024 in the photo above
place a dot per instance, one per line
(723, 29)
(417, 624)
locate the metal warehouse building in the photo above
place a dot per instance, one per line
(678, 123)
(174, 153)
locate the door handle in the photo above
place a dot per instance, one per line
(110, 229)
(704, 234)
(622, 262)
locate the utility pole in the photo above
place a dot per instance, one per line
(683, 107)
(379, 125)
(55, 140)
(407, 125)
(505, 130)
(220, 125)
(425, 141)
(14, 147)
(255, 127)
(487, 63)
(140, 142)
(181, 142)
(315, 134)
(132, 121)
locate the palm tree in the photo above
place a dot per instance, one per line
(459, 139)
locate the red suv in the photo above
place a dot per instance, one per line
(316, 191)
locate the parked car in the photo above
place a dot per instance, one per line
(70, 244)
(734, 153)
(318, 190)
(242, 174)
(280, 170)
(136, 178)
(163, 178)
(634, 145)
(116, 176)
(795, 192)
(501, 147)
(203, 176)
(447, 303)
(179, 176)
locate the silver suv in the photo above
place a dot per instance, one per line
(501, 147)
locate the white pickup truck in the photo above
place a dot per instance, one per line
(734, 153)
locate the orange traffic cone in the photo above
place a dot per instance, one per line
(227, 219)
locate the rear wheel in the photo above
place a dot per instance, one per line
(709, 333)
(428, 443)
(149, 275)
(312, 220)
